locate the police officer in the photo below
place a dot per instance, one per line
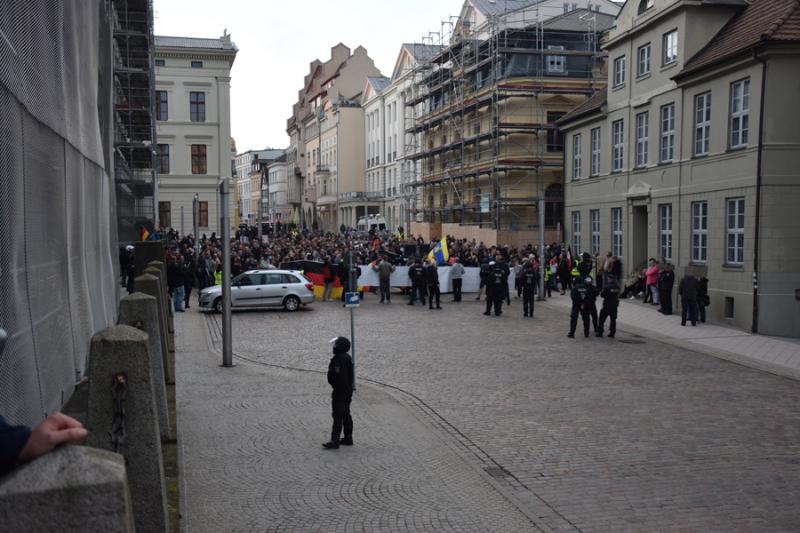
(417, 276)
(340, 377)
(497, 285)
(579, 295)
(610, 296)
(432, 282)
(591, 301)
(529, 278)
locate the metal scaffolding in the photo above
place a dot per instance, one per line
(134, 116)
(481, 123)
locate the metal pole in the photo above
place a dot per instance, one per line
(542, 263)
(196, 211)
(258, 215)
(183, 232)
(225, 228)
(352, 285)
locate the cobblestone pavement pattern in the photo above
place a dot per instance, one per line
(252, 460)
(625, 434)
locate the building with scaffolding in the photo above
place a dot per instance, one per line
(482, 116)
(134, 121)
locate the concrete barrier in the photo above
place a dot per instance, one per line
(145, 252)
(73, 489)
(141, 311)
(122, 404)
(159, 269)
(150, 285)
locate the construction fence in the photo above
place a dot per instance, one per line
(58, 266)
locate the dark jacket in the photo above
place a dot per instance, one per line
(688, 288)
(666, 279)
(431, 276)
(530, 277)
(498, 275)
(610, 295)
(580, 296)
(340, 374)
(12, 441)
(175, 275)
(416, 274)
(702, 291)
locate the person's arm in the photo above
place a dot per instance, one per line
(18, 444)
(12, 441)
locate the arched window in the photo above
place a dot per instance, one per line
(644, 5)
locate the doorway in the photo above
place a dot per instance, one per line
(639, 236)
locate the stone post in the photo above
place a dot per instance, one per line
(150, 285)
(167, 305)
(145, 252)
(116, 351)
(162, 267)
(140, 311)
(73, 489)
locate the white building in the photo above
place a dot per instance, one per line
(193, 127)
(249, 167)
(275, 192)
(390, 174)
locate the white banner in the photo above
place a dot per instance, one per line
(471, 279)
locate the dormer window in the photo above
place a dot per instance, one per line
(644, 5)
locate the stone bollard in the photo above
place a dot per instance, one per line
(128, 411)
(145, 252)
(73, 489)
(141, 311)
(150, 285)
(159, 269)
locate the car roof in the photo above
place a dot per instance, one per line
(271, 271)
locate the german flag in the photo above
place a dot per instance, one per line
(143, 234)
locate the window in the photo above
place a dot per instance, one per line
(197, 64)
(162, 108)
(616, 231)
(699, 232)
(670, 47)
(665, 230)
(576, 156)
(643, 63)
(667, 148)
(595, 164)
(702, 123)
(594, 216)
(644, 5)
(740, 113)
(160, 62)
(734, 231)
(198, 159)
(618, 152)
(642, 139)
(576, 232)
(555, 139)
(197, 106)
(619, 71)
(164, 214)
(203, 208)
(570, 7)
(163, 159)
(556, 64)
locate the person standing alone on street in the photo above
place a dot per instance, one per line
(528, 279)
(384, 269)
(432, 282)
(340, 377)
(456, 274)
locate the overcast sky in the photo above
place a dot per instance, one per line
(277, 39)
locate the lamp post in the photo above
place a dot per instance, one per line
(196, 212)
(224, 199)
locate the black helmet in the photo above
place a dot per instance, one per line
(341, 344)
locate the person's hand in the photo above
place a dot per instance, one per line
(56, 429)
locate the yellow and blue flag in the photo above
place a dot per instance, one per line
(439, 253)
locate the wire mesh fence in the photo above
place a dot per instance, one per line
(57, 220)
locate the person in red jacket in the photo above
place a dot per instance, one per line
(651, 275)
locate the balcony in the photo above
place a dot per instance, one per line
(361, 196)
(323, 171)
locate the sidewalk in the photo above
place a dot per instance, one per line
(251, 455)
(781, 357)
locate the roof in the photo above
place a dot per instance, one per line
(578, 20)
(378, 83)
(269, 154)
(594, 103)
(422, 52)
(498, 7)
(763, 21)
(194, 42)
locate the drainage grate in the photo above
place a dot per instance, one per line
(497, 472)
(630, 341)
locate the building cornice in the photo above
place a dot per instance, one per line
(194, 53)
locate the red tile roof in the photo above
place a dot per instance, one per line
(594, 103)
(762, 21)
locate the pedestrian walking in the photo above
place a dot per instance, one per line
(579, 294)
(610, 294)
(340, 378)
(529, 277)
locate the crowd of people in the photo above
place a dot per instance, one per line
(197, 263)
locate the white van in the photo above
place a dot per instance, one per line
(372, 222)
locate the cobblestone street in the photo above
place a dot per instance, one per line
(587, 434)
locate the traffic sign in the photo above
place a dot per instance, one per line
(351, 299)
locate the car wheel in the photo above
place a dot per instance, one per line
(218, 305)
(291, 303)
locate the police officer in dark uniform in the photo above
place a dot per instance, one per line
(610, 296)
(340, 377)
(497, 285)
(579, 295)
(529, 278)
(431, 275)
(591, 301)
(417, 276)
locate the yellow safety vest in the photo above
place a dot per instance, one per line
(218, 278)
(575, 273)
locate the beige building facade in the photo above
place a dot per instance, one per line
(193, 127)
(692, 154)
